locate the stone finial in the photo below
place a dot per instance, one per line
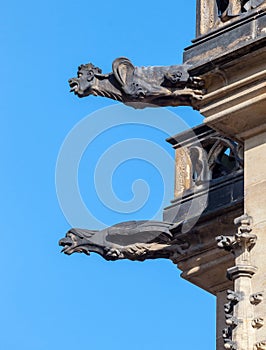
(242, 239)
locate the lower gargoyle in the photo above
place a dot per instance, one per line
(133, 240)
(140, 86)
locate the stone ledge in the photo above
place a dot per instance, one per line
(245, 35)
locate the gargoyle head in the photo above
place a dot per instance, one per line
(86, 81)
(75, 241)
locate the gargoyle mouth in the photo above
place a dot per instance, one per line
(73, 242)
(74, 85)
(67, 244)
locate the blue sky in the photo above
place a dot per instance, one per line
(48, 300)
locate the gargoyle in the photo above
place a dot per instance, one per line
(139, 86)
(133, 240)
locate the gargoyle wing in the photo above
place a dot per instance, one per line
(132, 232)
(123, 70)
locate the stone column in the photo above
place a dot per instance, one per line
(220, 194)
(206, 16)
(239, 310)
(255, 205)
(245, 120)
(232, 61)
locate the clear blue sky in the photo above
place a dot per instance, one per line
(49, 300)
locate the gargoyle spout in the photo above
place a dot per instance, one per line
(133, 240)
(140, 86)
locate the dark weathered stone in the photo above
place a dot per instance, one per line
(139, 86)
(133, 240)
(213, 15)
(218, 175)
(226, 43)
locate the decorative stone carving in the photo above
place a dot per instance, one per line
(243, 239)
(258, 322)
(231, 321)
(230, 345)
(260, 345)
(183, 169)
(140, 86)
(240, 244)
(227, 333)
(226, 242)
(234, 298)
(220, 163)
(239, 311)
(256, 298)
(200, 162)
(133, 240)
(200, 168)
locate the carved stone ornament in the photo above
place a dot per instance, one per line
(240, 318)
(227, 333)
(200, 161)
(243, 238)
(232, 322)
(133, 240)
(256, 298)
(258, 323)
(260, 345)
(229, 344)
(139, 86)
(233, 298)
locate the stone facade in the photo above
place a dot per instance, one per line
(235, 105)
(214, 230)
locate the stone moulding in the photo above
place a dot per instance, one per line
(140, 86)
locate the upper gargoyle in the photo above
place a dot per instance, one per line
(140, 86)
